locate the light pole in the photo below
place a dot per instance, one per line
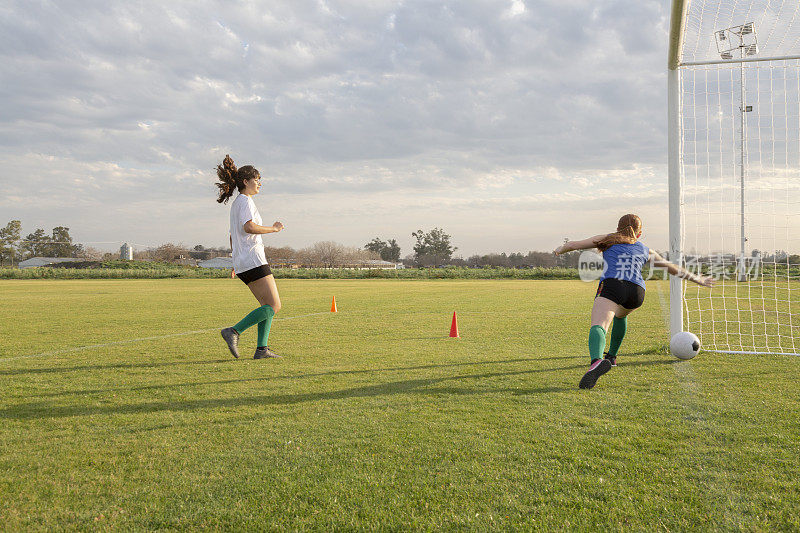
(741, 38)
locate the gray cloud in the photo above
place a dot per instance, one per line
(115, 102)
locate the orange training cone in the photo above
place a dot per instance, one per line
(333, 305)
(454, 327)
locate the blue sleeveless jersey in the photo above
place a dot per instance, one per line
(625, 262)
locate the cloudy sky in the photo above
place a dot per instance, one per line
(509, 123)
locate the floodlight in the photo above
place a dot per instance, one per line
(725, 46)
(742, 38)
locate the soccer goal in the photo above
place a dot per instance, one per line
(734, 172)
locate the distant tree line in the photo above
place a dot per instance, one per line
(435, 248)
(325, 254)
(520, 260)
(14, 248)
(431, 249)
(321, 254)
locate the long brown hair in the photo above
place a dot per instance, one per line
(628, 227)
(229, 177)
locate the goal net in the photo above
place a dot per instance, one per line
(735, 86)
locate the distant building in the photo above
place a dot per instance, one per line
(217, 262)
(126, 252)
(185, 261)
(47, 261)
(380, 263)
(370, 263)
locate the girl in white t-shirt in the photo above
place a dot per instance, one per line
(249, 261)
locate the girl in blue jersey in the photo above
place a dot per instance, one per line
(621, 289)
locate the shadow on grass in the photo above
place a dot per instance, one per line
(539, 390)
(43, 410)
(289, 376)
(118, 366)
(455, 391)
(113, 366)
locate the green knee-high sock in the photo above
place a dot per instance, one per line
(255, 316)
(618, 329)
(263, 331)
(597, 341)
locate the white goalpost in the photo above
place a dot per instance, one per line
(734, 172)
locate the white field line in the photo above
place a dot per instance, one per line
(140, 339)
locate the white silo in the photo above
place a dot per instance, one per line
(126, 252)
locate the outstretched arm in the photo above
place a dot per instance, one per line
(585, 244)
(675, 270)
(252, 227)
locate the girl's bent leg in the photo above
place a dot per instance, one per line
(602, 312)
(255, 316)
(618, 330)
(265, 291)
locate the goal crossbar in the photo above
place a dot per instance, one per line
(736, 60)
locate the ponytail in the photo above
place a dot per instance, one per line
(227, 174)
(628, 227)
(230, 178)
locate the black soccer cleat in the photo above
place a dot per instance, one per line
(232, 339)
(596, 369)
(612, 358)
(265, 353)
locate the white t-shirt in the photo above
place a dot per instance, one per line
(248, 250)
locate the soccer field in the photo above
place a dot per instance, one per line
(122, 409)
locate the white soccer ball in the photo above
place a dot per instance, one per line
(684, 345)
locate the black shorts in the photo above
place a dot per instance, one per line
(249, 276)
(625, 293)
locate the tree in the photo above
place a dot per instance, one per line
(170, 252)
(375, 245)
(389, 251)
(91, 254)
(352, 256)
(433, 247)
(61, 244)
(392, 251)
(541, 259)
(327, 253)
(9, 242)
(284, 256)
(35, 244)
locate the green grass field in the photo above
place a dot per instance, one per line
(375, 419)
